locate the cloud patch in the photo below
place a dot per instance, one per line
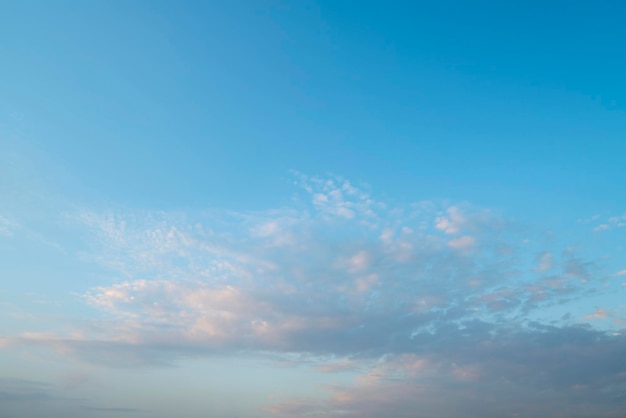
(537, 371)
(429, 305)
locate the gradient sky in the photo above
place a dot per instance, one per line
(312, 209)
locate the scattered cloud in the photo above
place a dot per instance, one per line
(429, 304)
(611, 222)
(536, 371)
(462, 243)
(187, 287)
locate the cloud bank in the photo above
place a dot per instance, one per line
(434, 307)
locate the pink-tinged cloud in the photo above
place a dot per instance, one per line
(427, 306)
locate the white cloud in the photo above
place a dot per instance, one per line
(337, 197)
(462, 243)
(452, 222)
(601, 227)
(363, 284)
(359, 261)
(611, 222)
(386, 236)
(599, 313)
(468, 220)
(266, 230)
(544, 261)
(8, 226)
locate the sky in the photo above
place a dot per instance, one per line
(312, 209)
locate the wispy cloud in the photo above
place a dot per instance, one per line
(545, 261)
(13, 389)
(8, 225)
(113, 410)
(23, 397)
(611, 222)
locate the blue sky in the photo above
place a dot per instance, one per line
(312, 209)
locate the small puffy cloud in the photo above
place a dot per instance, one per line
(335, 197)
(602, 227)
(386, 236)
(577, 269)
(611, 222)
(364, 284)
(337, 366)
(267, 229)
(462, 243)
(465, 220)
(452, 222)
(599, 313)
(358, 262)
(544, 261)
